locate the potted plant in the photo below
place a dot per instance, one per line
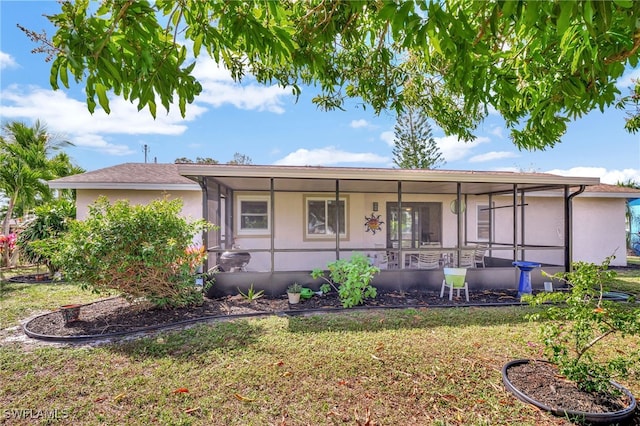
(293, 292)
(575, 325)
(70, 313)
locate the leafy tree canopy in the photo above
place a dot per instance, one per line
(539, 64)
(237, 159)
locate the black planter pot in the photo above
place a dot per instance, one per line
(614, 417)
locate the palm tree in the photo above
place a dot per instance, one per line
(25, 166)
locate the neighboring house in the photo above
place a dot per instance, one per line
(137, 182)
(293, 219)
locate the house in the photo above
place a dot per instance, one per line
(280, 222)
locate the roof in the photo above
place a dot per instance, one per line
(137, 176)
(611, 191)
(351, 179)
(153, 176)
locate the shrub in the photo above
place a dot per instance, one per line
(350, 278)
(142, 251)
(579, 322)
(51, 220)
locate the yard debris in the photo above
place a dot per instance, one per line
(242, 398)
(181, 390)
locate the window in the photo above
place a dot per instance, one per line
(321, 217)
(254, 215)
(483, 222)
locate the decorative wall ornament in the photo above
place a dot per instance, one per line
(373, 223)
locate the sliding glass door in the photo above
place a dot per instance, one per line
(421, 224)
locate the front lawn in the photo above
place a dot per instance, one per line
(426, 367)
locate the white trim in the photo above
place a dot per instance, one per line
(344, 233)
(260, 231)
(132, 185)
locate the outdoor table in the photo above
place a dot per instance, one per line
(524, 285)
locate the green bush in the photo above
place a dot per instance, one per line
(51, 220)
(142, 251)
(350, 278)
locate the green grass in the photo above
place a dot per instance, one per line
(426, 367)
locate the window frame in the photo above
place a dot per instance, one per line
(344, 233)
(485, 223)
(253, 231)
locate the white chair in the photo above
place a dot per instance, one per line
(455, 278)
(478, 255)
(466, 259)
(429, 260)
(391, 259)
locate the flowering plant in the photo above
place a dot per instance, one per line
(195, 255)
(7, 242)
(7, 245)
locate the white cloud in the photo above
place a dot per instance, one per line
(388, 137)
(606, 176)
(453, 149)
(71, 119)
(494, 155)
(98, 143)
(7, 61)
(497, 131)
(328, 156)
(356, 124)
(626, 80)
(218, 88)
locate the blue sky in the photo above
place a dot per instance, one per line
(267, 124)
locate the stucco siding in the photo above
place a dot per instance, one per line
(599, 230)
(192, 200)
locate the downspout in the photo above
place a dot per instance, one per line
(568, 227)
(337, 219)
(202, 181)
(523, 241)
(272, 225)
(399, 233)
(458, 222)
(515, 222)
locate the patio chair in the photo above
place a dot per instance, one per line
(455, 278)
(466, 259)
(390, 258)
(429, 260)
(478, 255)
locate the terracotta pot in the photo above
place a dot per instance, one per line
(70, 313)
(294, 298)
(614, 417)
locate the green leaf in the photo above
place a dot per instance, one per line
(197, 44)
(101, 91)
(566, 11)
(627, 4)
(508, 7)
(587, 12)
(113, 71)
(64, 77)
(388, 11)
(53, 75)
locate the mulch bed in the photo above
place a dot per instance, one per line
(116, 315)
(31, 279)
(541, 382)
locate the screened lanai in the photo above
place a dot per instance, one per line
(288, 220)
